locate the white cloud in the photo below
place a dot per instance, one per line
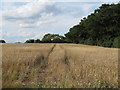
(86, 7)
(49, 21)
(31, 10)
(61, 0)
(19, 0)
(31, 13)
(38, 23)
(1, 23)
(38, 35)
(25, 25)
(17, 34)
(34, 19)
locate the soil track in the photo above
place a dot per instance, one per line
(43, 66)
(58, 67)
(61, 69)
(51, 50)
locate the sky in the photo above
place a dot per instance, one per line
(21, 20)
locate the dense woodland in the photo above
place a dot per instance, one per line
(101, 28)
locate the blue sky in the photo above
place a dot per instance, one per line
(32, 20)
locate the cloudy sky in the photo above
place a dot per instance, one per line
(27, 19)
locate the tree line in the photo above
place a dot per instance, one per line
(50, 38)
(101, 28)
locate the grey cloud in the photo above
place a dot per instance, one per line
(46, 10)
(53, 9)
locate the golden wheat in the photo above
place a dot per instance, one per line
(91, 64)
(0, 66)
(59, 65)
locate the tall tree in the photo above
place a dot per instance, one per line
(99, 28)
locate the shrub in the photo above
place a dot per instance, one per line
(116, 42)
(2, 41)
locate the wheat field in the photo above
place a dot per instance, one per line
(59, 66)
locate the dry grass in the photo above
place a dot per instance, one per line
(23, 62)
(59, 65)
(93, 66)
(0, 66)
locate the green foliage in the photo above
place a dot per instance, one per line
(50, 38)
(99, 84)
(89, 41)
(2, 41)
(30, 41)
(116, 42)
(54, 38)
(33, 41)
(37, 41)
(46, 86)
(100, 28)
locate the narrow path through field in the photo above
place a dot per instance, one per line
(51, 51)
(43, 66)
(58, 69)
(64, 70)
